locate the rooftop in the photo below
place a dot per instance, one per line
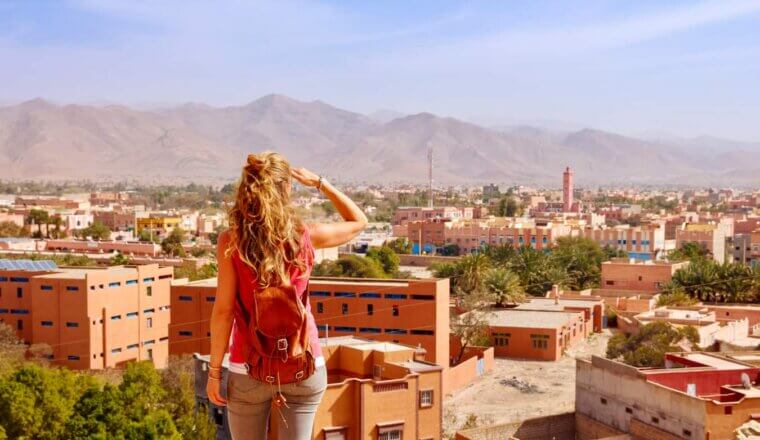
(528, 318)
(27, 265)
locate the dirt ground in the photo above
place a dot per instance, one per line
(547, 388)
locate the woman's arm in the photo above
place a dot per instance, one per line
(324, 235)
(221, 318)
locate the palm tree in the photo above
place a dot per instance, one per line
(504, 286)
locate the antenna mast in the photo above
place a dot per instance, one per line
(430, 176)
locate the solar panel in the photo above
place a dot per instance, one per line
(29, 265)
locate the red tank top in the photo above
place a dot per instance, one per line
(244, 276)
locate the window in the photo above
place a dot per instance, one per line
(149, 323)
(395, 296)
(395, 331)
(3, 310)
(424, 297)
(370, 330)
(72, 357)
(344, 308)
(185, 333)
(19, 292)
(114, 284)
(319, 293)
(131, 282)
(422, 332)
(19, 325)
(116, 318)
(320, 308)
(210, 299)
(629, 410)
(131, 315)
(19, 312)
(655, 420)
(149, 311)
(345, 295)
(19, 280)
(132, 346)
(46, 287)
(603, 400)
(370, 309)
(152, 341)
(72, 324)
(728, 410)
(686, 433)
(46, 323)
(322, 327)
(339, 328)
(149, 290)
(426, 398)
(150, 354)
(148, 280)
(540, 341)
(369, 295)
(335, 434)
(394, 434)
(185, 298)
(116, 350)
(609, 282)
(395, 311)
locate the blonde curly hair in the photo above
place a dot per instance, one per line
(264, 228)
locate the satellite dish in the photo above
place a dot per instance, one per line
(746, 383)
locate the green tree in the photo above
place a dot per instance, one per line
(387, 259)
(450, 250)
(38, 217)
(12, 349)
(648, 347)
(178, 379)
(189, 270)
(689, 252)
(471, 327)
(676, 298)
(504, 286)
(508, 207)
(172, 245)
(401, 245)
(11, 229)
(582, 260)
(120, 260)
(96, 231)
(351, 266)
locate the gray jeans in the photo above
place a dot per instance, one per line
(249, 403)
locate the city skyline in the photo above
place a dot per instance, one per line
(684, 69)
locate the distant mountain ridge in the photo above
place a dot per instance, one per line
(197, 141)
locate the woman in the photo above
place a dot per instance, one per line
(267, 240)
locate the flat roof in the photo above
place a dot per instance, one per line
(206, 282)
(549, 302)
(76, 273)
(528, 318)
(362, 344)
(719, 363)
(363, 281)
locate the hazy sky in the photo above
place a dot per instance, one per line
(685, 68)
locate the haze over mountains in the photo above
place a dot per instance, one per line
(40, 140)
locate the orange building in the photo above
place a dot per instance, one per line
(92, 318)
(376, 390)
(643, 276)
(640, 242)
(192, 303)
(472, 235)
(534, 334)
(412, 312)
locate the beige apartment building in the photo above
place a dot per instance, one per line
(709, 236)
(92, 318)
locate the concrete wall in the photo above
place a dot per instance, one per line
(466, 371)
(556, 427)
(613, 394)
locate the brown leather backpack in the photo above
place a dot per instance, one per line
(277, 329)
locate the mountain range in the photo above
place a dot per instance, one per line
(42, 140)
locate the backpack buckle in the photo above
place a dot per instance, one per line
(270, 379)
(282, 344)
(299, 375)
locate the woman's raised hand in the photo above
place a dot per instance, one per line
(304, 176)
